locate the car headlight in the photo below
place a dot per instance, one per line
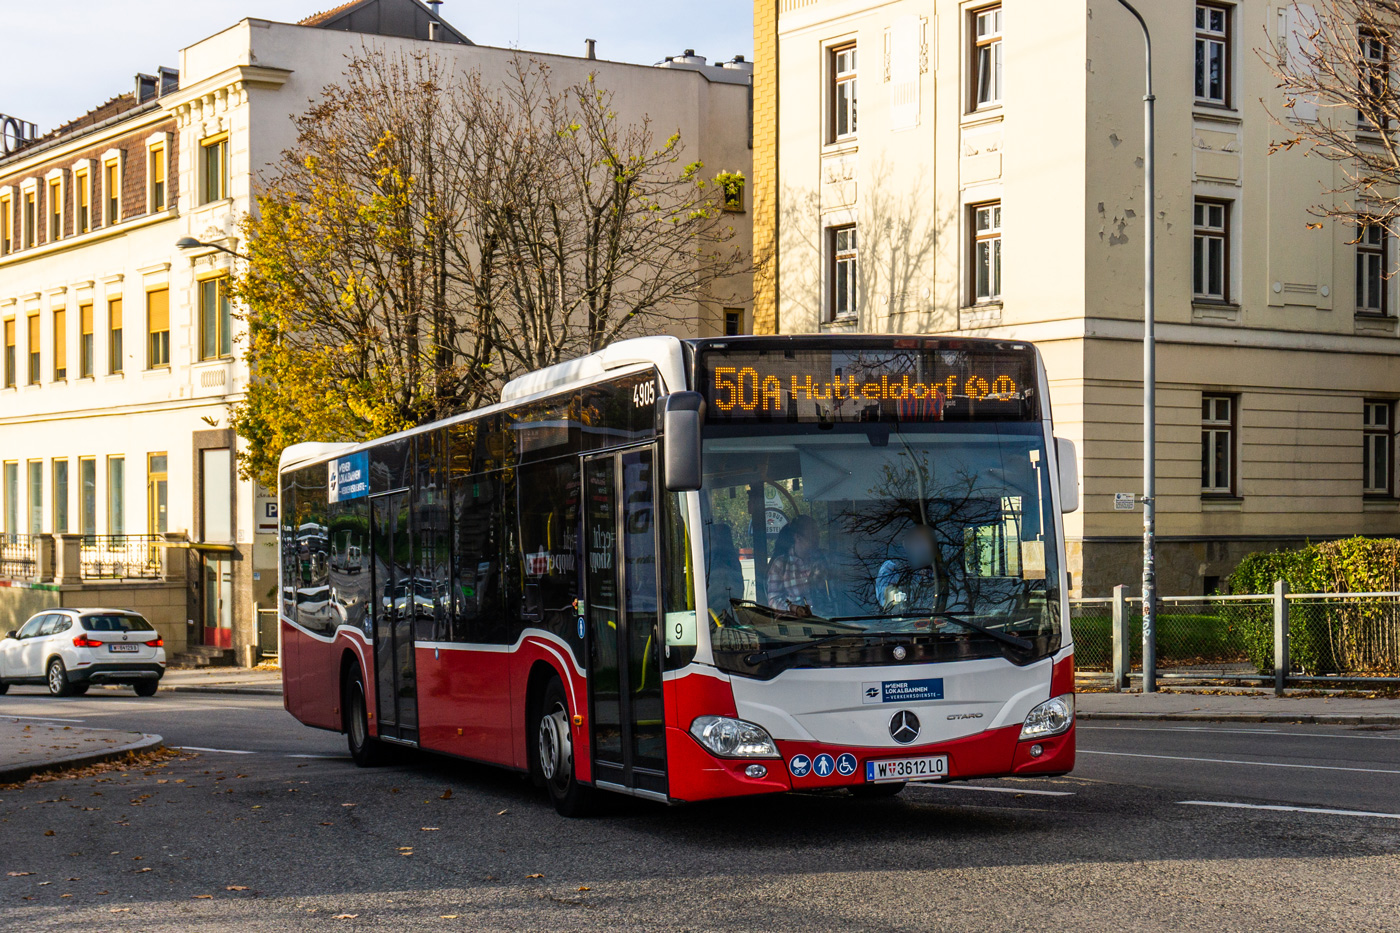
(1052, 717)
(733, 738)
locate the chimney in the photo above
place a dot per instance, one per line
(591, 49)
(435, 24)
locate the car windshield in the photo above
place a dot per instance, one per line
(936, 537)
(116, 623)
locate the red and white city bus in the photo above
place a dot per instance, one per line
(692, 569)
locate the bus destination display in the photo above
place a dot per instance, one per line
(868, 385)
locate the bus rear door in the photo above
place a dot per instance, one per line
(394, 589)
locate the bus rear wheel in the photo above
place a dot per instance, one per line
(554, 754)
(367, 751)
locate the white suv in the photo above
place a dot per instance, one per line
(72, 649)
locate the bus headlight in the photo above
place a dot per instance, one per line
(1052, 717)
(733, 738)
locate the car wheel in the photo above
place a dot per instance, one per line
(4, 688)
(58, 679)
(146, 688)
(78, 689)
(876, 791)
(367, 751)
(554, 755)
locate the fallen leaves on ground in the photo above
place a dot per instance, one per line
(430, 829)
(18, 874)
(446, 795)
(534, 876)
(345, 916)
(236, 887)
(203, 897)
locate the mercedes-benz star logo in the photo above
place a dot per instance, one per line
(899, 652)
(904, 727)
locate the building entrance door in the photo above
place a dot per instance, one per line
(218, 602)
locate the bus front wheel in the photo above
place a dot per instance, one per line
(365, 749)
(554, 754)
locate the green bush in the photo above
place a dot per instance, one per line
(1325, 639)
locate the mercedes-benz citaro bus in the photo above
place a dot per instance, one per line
(693, 569)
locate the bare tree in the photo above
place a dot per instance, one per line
(432, 234)
(1334, 64)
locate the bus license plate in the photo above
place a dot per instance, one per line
(116, 648)
(907, 769)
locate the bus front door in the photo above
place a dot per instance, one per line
(621, 610)
(396, 682)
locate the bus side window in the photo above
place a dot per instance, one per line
(549, 528)
(476, 558)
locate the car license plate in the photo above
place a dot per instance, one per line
(907, 769)
(116, 648)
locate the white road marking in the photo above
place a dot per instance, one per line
(222, 751)
(327, 757)
(1261, 806)
(1209, 730)
(997, 790)
(1233, 761)
(40, 718)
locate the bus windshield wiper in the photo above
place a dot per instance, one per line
(758, 657)
(1013, 640)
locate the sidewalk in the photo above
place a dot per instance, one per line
(223, 680)
(1197, 707)
(28, 748)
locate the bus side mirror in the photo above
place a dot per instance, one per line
(1069, 474)
(683, 415)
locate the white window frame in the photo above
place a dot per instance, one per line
(107, 158)
(991, 236)
(28, 226)
(837, 81)
(82, 171)
(1378, 435)
(202, 170)
(992, 41)
(55, 175)
(1205, 233)
(165, 140)
(1213, 425)
(1373, 259)
(1204, 34)
(836, 258)
(1372, 55)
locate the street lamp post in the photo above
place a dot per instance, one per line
(1149, 379)
(189, 242)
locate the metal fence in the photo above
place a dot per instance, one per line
(120, 557)
(19, 556)
(1324, 635)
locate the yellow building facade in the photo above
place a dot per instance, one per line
(943, 167)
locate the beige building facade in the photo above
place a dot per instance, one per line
(122, 353)
(976, 168)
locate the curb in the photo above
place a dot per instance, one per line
(1332, 719)
(247, 689)
(14, 775)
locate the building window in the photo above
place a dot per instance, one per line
(87, 495)
(116, 495)
(60, 496)
(1373, 80)
(12, 498)
(1218, 444)
(1211, 261)
(157, 493)
(36, 496)
(845, 272)
(1377, 460)
(60, 344)
(214, 169)
(843, 93)
(10, 362)
(30, 220)
(157, 176)
(86, 361)
(34, 354)
(733, 322)
(111, 189)
(7, 227)
(114, 335)
(986, 58)
(732, 185)
(55, 210)
(1213, 54)
(158, 328)
(1372, 244)
(215, 320)
(82, 193)
(986, 252)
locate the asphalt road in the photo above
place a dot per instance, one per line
(1161, 827)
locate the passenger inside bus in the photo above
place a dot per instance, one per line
(796, 572)
(726, 574)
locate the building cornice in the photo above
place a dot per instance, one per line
(84, 239)
(24, 161)
(218, 91)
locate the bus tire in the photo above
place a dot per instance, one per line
(367, 751)
(876, 791)
(552, 741)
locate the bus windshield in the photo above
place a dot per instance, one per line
(830, 544)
